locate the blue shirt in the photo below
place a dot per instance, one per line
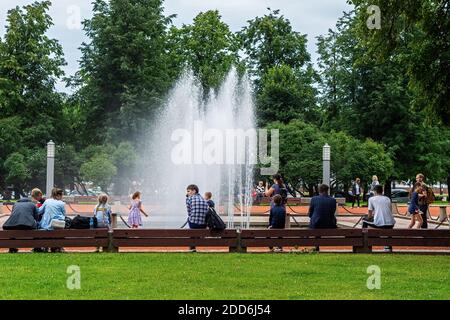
(414, 205)
(277, 218)
(211, 203)
(197, 208)
(51, 209)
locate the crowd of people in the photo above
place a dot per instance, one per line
(50, 214)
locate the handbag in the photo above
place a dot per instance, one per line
(58, 224)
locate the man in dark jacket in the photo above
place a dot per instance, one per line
(23, 217)
(322, 210)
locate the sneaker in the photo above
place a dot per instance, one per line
(13, 250)
(387, 249)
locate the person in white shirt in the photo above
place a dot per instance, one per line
(380, 212)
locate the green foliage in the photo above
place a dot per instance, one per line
(269, 41)
(209, 48)
(16, 168)
(100, 170)
(124, 68)
(285, 96)
(417, 34)
(301, 156)
(372, 99)
(30, 109)
(276, 57)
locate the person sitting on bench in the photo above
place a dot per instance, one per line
(23, 217)
(322, 210)
(380, 211)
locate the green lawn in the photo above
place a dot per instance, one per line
(223, 276)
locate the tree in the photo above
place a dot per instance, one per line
(30, 108)
(17, 172)
(208, 47)
(30, 63)
(301, 156)
(269, 41)
(124, 68)
(370, 99)
(99, 170)
(124, 158)
(285, 97)
(277, 59)
(420, 30)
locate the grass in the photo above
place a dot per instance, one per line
(223, 276)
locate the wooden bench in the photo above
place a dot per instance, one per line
(55, 238)
(361, 240)
(174, 238)
(405, 238)
(302, 238)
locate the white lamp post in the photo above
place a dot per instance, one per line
(50, 168)
(326, 157)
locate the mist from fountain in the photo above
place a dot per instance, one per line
(164, 181)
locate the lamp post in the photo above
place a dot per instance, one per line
(326, 157)
(50, 168)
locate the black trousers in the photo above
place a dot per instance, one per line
(424, 209)
(355, 198)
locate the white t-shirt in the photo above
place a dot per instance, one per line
(382, 211)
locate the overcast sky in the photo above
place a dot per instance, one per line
(311, 17)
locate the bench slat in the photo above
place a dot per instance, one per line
(170, 233)
(409, 233)
(173, 242)
(301, 233)
(95, 233)
(301, 242)
(410, 242)
(36, 243)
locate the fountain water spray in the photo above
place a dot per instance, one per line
(211, 144)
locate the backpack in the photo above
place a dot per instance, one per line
(214, 221)
(80, 222)
(430, 196)
(283, 193)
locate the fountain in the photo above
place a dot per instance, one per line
(190, 143)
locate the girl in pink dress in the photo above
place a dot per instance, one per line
(134, 217)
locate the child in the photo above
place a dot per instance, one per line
(134, 217)
(277, 218)
(413, 209)
(208, 196)
(102, 212)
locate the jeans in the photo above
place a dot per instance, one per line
(195, 226)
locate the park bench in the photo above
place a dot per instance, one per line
(361, 240)
(302, 238)
(174, 238)
(405, 238)
(55, 238)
